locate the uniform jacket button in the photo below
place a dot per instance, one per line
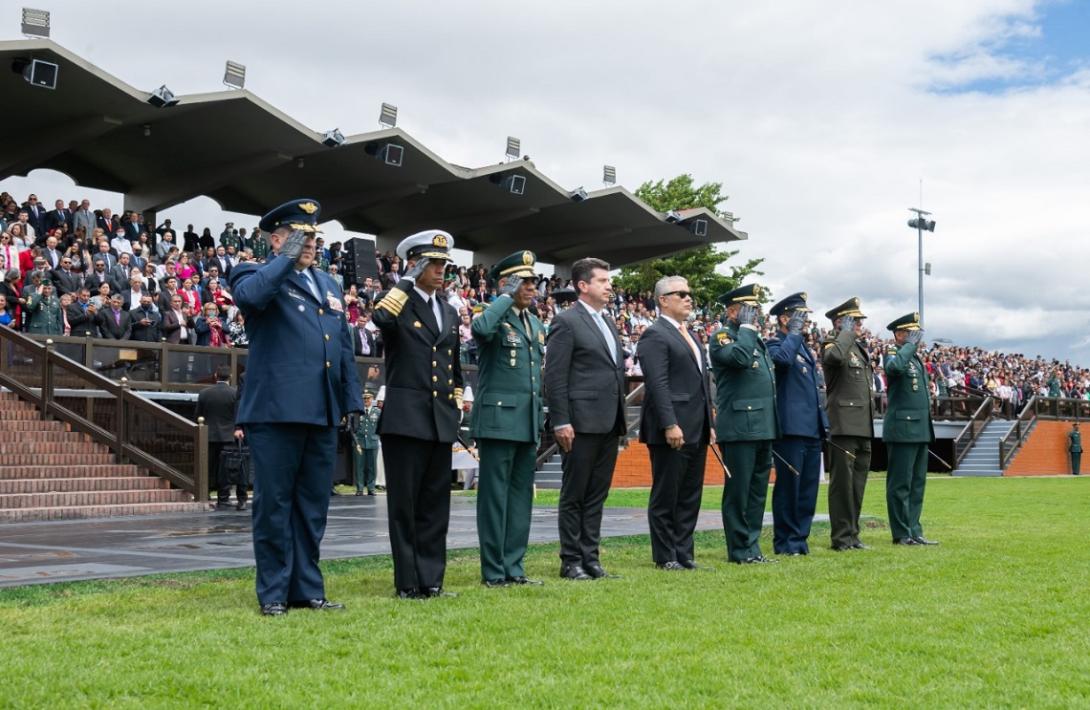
(321, 312)
(328, 363)
(327, 336)
(434, 393)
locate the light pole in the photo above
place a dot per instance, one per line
(921, 223)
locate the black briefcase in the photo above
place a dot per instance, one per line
(236, 465)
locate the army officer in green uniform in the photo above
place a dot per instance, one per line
(365, 451)
(1074, 448)
(906, 431)
(507, 419)
(746, 421)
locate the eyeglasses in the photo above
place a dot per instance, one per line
(679, 294)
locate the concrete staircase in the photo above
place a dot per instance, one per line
(983, 458)
(549, 475)
(50, 473)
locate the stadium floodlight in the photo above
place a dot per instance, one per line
(927, 268)
(609, 175)
(162, 97)
(333, 138)
(387, 115)
(673, 217)
(234, 75)
(578, 194)
(514, 147)
(35, 23)
(921, 224)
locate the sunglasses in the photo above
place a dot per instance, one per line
(679, 294)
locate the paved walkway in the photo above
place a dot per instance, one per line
(70, 550)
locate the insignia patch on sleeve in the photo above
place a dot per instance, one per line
(722, 338)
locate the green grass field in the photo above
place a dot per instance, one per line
(998, 615)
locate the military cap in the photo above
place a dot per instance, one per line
(794, 302)
(750, 293)
(429, 244)
(297, 214)
(848, 308)
(565, 295)
(368, 392)
(906, 322)
(520, 265)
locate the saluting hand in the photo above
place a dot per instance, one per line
(416, 269)
(509, 285)
(915, 336)
(795, 322)
(847, 323)
(292, 247)
(747, 314)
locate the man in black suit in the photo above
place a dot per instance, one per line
(115, 322)
(82, 316)
(145, 321)
(35, 214)
(98, 276)
(218, 404)
(363, 340)
(57, 217)
(675, 423)
(121, 273)
(584, 388)
(65, 280)
(421, 413)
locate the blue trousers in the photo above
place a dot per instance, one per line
(794, 498)
(293, 477)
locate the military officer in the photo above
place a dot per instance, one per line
(301, 382)
(849, 380)
(803, 427)
(906, 430)
(746, 422)
(1074, 448)
(365, 452)
(420, 418)
(507, 418)
(260, 246)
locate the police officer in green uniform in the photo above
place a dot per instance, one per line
(507, 419)
(365, 451)
(747, 421)
(260, 245)
(1074, 448)
(230, 238)
(849, 379)
(906, 431)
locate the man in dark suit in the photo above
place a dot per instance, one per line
(35, 215)
(65, 280)
(82, 316)
(145, 321)
(115, 322)
(803, 427)
(105, 222)
(57, 217)
(301, 382)
(584, 389)
(177, 325)
(675, 423)
(217, 404)
(362, 339)
(421, 413)
(121, 273)
(98, 276)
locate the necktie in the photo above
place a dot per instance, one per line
(692, 344)
(525, 322)
(435, 314)
(310, 283)
(600, 319)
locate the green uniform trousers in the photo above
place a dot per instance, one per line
(749, 463)
(365, 465)
(1076, 459)
(505, 494)
(847, 483)
(905, 483)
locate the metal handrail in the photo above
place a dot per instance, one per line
(969, 433)
(554, 448)
(1017, 433)
(119, 441)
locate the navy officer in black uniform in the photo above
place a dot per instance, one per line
(420, 416)
(300, 382)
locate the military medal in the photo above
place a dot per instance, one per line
(334, 302)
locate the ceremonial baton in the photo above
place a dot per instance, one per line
(790, 468)
(720, 460)
(847, 453)
(468, 450)
(940, 460)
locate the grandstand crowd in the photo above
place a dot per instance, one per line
(72, 269)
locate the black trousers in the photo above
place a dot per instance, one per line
(218, 477)
(587, 471)
(418, 504)
(677, 482)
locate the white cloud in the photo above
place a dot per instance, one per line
(817, 117)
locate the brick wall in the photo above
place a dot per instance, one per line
(633, 468)
(1045, 451)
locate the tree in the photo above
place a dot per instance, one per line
(700, 264)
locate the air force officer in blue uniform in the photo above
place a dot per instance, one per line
(803, 426)
(300, 382)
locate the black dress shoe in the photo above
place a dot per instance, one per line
(671, 566)
(595, 570)
(574, 572)
(241, 505)
(687, 564)
(274, 609)
(433, 592)
(524, 581)
(843, 548)
(905, 541)
(494, 583)
(410, 593)
(317, 605)
(371, 493)
(920, 540)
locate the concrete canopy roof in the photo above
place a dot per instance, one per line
(248, 156)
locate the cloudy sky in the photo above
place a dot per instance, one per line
(821, 119)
